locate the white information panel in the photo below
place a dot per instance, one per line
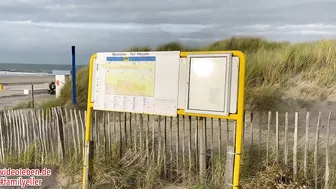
(209, 84)
(139, 82)
(234, 85)
(183, 81)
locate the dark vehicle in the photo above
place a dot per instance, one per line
(52, 88)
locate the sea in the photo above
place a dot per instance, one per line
(8, 69)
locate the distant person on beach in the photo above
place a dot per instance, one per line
(52, 87)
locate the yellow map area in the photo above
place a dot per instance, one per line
(130, 79)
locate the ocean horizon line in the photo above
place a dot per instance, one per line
(25, 63)
(33, 69)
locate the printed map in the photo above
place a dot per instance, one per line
(130, 76)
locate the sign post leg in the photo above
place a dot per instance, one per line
(240, 121)
(88, 138)
(87, 150)
(238, 152)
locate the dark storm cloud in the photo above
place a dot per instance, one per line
(42, 31)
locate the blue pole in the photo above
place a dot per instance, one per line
(74, 101)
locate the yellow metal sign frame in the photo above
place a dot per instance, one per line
(238, 117)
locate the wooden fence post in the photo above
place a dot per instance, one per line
(165, 148)
(260, 129)
(286, 138)
(153, 135)
(316, 150)
(177, 143)
(147, 142)
(2, 138)
(202, 151)
(305, 159)
(295, 144)
(189, 147)
(160, 140)
(327, 171)
(268, 132)
(183, 144)
(277, 136)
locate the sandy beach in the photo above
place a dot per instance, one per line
(14, 86)
(25, 79)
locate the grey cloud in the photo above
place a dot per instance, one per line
(48, 28)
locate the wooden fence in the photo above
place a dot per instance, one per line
(304, 142)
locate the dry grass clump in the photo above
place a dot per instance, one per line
(131, 171)
(112, 171)
(22, 105)
(276, 176)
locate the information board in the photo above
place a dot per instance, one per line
(183, 84)
(209, 84)
(139, 82)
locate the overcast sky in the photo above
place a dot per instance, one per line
(42, 31)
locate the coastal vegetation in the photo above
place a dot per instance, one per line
(274, 71)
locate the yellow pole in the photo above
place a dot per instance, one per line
(240, 121)
(88, 128)
(1, 87)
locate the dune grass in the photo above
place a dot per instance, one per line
(274, 70)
